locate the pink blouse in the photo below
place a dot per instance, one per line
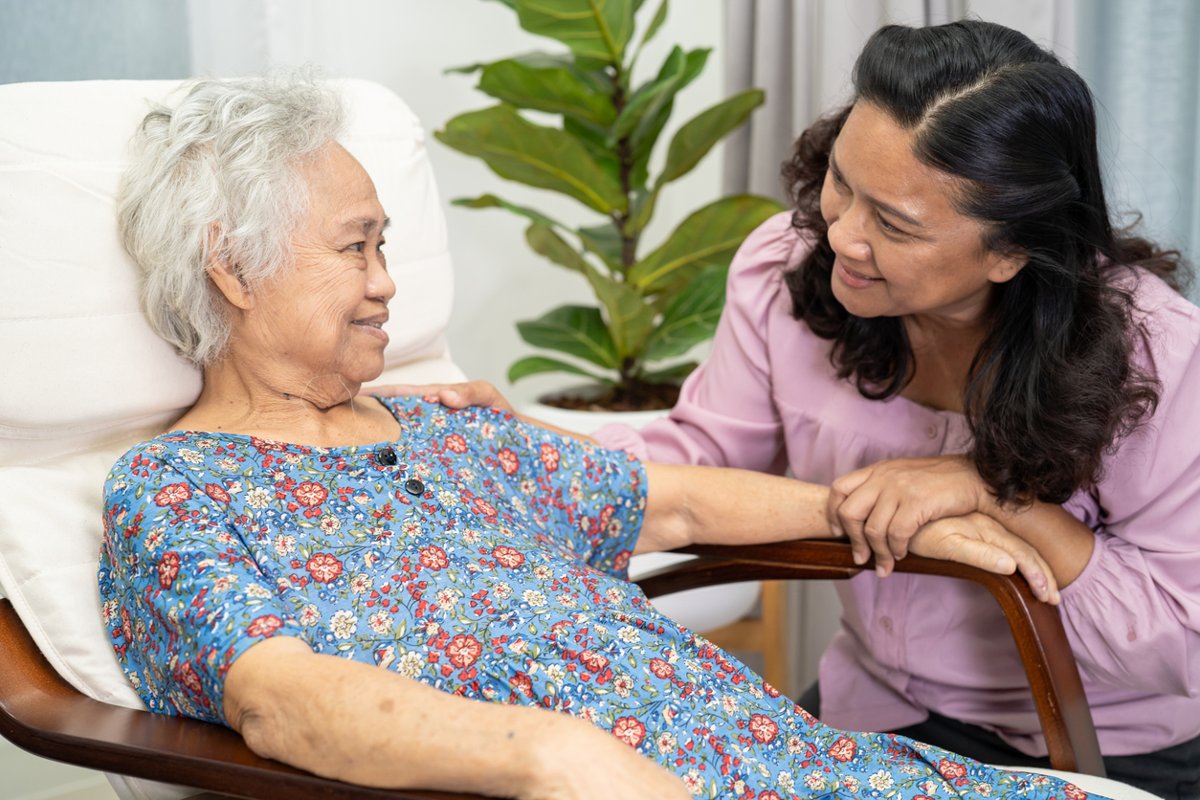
(768, 399)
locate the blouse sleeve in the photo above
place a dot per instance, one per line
(725, 415)
(182, 597)
(1133, 615)
(591, 496)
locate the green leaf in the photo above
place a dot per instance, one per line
(643, 209)
(641, 115)
(640, 171)
(673, 374)
(693, 141)
(690, 317)
(575, 330)
(651, 126)
(556, 90)
(535, 59)
(465, 69)
(648, 97)
(630, 317)
(544, 241)
(492, 201)
(593, 29)
(595, 141)
(534, 365)
(605, 241)
(660, 17)
(709, 237)
(548, 158)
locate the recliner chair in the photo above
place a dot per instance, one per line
(85, 378)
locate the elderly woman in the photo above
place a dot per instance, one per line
(396, 594)
(948, 321)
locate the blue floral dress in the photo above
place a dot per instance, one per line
(479, 555)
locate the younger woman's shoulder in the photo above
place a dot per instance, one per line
(756, 288)
(1158, 308)
(773, 247)
(1166, 331)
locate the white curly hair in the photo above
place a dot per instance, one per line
(218, 177)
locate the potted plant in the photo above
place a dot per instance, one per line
(653, 302)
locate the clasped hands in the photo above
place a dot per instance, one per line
(937, 507)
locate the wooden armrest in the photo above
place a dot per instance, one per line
(45, 715)
(1036, 627)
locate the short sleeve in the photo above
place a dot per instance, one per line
(181, 596)
(591, 497)
(725, 415)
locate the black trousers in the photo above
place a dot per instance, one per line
(1172, 773)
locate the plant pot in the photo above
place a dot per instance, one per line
(697, 609)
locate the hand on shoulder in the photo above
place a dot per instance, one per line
(451, 395)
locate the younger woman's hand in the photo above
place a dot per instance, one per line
(979, 541)
(882, 506)
(451, 395)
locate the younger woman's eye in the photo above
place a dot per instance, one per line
(838, 180)
(889, 228)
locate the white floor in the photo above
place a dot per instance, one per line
(27, 777)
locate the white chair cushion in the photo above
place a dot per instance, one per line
(85, 377)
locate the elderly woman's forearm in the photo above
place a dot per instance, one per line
(710, 505)
(360, 724)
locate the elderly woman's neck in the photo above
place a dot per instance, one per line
(316, 411)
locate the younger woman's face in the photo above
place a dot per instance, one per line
(900, 246)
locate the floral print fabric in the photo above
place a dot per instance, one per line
(481, 556)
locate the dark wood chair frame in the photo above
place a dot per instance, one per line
(43, 714)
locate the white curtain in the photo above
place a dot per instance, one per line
(1143, 63)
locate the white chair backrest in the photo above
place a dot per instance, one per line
(83, 375)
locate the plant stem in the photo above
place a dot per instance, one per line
(625, 160)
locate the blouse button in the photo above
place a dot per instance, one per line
(414, 487)
(387, 457)
(932, 431)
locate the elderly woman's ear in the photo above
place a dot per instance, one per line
(232, 287)
(223, 273)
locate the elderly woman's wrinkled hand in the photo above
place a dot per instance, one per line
(451, 395)
(979, 541)
(882, 506)
(586, 763)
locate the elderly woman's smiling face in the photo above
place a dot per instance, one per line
(321, 319)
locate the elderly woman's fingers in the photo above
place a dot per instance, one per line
(451, 395)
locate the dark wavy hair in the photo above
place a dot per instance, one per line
(1052, 387)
